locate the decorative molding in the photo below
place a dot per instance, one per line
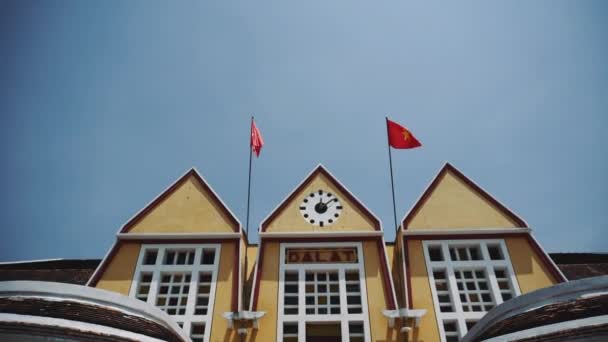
(404, 313)
(253, 316)
(465, 231)
(356, 234)
(177, 236)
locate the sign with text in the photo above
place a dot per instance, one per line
(346, 255)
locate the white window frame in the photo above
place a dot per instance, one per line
(157, 269)
(487, 264)
(344, 317)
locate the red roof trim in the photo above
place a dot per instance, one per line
(431, 188)
(320, 170)
(158, 200)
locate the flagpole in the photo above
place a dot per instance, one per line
(248, 198)
(249, 182)
(390, 162)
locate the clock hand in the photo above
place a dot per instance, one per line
(332, 201)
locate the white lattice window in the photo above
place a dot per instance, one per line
(322, 296)
(180, 280)
(468, 278)
(473, 289)
(322, 292)
(353, 292)
(143, 288)
(504, 283)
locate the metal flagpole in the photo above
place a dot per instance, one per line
(248, 198)
(249, 186)
(390, 162)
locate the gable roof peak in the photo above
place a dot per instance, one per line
(447, 167)
(318, 167)
(192, 171)
(307, 179)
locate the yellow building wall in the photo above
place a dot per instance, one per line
(291, 220)
(188, 209)
(268, 295)
(118, 275)
(252, 254)
(223, 295)
(390, 252)
(422, 297)
(529, 270)
(454, 204)
(377, 297)
(243, 266)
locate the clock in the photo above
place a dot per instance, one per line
(321, 208)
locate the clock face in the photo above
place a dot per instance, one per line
(321, 208)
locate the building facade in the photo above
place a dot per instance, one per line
(322, 270)
(460, 252)
(184, 254)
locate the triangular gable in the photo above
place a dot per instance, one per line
(190, 205)
(454, 201)
(286, 216)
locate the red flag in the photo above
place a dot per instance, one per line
(256, 139)
(400, 137)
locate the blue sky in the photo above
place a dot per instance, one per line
(104, 104)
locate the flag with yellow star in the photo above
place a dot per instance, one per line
(400, 137)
